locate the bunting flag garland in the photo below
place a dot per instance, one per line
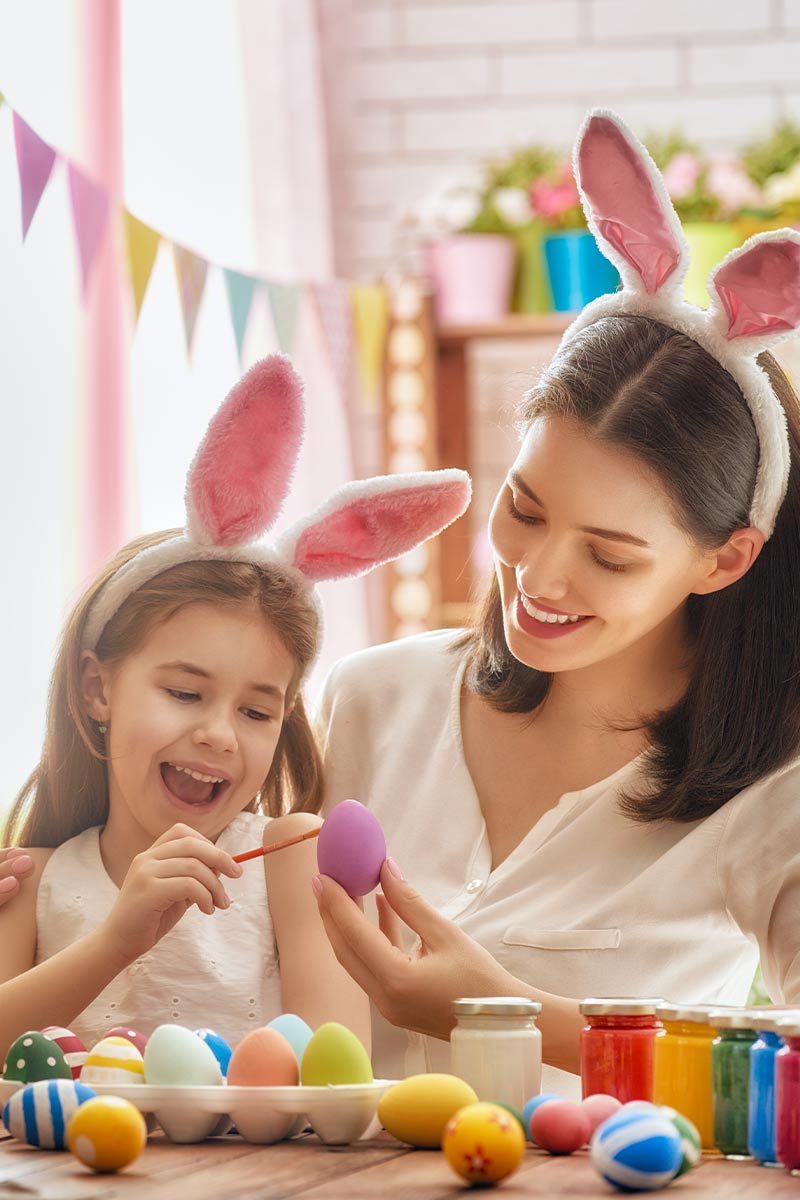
(89, 214)
(353, 317)
(35, 162)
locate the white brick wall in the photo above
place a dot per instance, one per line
(432, 86)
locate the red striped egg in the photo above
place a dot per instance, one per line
(71, 1045)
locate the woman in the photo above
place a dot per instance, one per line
(597, 789)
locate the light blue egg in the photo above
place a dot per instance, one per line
(217, 1045)
(39, 1113)
(531, 1107)
(637, 1150)
(295, 1030)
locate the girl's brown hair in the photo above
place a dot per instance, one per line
(645, 388)
(68, 790)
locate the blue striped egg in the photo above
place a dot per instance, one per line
(39, 1113)
(637, 1151)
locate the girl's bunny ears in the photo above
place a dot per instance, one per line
(755, 290)
(239, 479)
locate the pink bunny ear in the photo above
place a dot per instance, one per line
(373, 521)
(627, 205)
(758, 287)
(242, 470)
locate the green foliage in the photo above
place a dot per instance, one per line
(774, 154)
(525, 164)
(664, 146)
(758, 993)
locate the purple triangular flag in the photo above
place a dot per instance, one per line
(89, 213)
(34, 162)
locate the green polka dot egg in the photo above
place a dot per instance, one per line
(34, 1056)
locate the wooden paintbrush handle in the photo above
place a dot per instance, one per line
(261, 850)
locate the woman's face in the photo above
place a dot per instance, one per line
(590, 561)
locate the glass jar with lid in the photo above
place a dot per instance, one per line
(496, 1047)
(617, 1046)
(730, 1076)
(761, 1106)
(787, 1094)
(682, 1065)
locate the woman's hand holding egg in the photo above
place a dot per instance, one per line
(181, 868)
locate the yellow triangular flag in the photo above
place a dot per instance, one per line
(370, 303)
(141, 243)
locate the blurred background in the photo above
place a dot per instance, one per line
(379, 188)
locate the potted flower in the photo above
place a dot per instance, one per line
(468, 252)
(509, 184)
(576, 269)
(773, 163)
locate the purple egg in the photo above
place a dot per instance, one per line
(351, 848)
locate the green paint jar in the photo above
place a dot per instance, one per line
(730, 1078)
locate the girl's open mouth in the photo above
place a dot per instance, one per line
(191, 787)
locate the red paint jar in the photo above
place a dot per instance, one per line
(787, 1094)
(617, 1047)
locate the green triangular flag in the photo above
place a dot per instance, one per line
(240, 290)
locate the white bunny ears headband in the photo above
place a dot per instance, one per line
(755, 290)
(239, 479)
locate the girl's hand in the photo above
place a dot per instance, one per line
(15, 866)
(181, 868)
(413, 992)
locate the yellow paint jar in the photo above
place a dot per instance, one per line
(682, 1065)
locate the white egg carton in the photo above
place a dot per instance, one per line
(338, 1114)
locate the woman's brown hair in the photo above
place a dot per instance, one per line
(643, 387)
(68, 790)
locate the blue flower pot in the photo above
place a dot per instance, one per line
(577, 270)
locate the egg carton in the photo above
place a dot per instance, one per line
(338, 1114)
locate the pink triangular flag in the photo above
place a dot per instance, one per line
(335, 312)
(191, 270)
(34, 162)
(89, 213)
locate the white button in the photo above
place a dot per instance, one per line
(474, 885)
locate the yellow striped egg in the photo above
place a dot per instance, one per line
(113, 1060)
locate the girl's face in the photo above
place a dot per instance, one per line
(588, 555)
(194, 716)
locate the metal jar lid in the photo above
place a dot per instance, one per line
(495, 1006)
(695, 1013)
(787, 1026)
(725, 1018)
(768, 1018)
(620, 1006)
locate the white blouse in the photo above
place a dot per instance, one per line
(209, 972)
(589, 903)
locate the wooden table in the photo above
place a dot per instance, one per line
(230, 1169)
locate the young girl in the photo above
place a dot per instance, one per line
(608, 802)
(177, 737)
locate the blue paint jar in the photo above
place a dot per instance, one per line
(761, 1101)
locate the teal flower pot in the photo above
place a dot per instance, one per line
(577, 270)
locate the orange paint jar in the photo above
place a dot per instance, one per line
(682, 1066)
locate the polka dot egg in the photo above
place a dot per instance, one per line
(72, 1047)
(217, 1045)
(483, 1143)
(637, 1151)
(139, 1039)
(34, 1056)
(113, 1060)
(39, 1113)
(107, 1133)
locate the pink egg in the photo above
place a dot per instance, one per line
(138, 1039)
(560, 1126)
(599, 1107)
(351, 848)
(71, 1046)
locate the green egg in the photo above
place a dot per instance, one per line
(33, 1056)
(334, 1055)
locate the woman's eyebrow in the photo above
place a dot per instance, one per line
(611, 535)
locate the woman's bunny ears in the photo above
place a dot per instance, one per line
(239, 479)
(755, 290)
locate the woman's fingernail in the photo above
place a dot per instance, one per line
(393, 867)
(316, 885)
(8, 884)
(21, 863)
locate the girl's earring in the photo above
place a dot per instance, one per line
(102, 728)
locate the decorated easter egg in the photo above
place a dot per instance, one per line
(295, 1030)
(175, 1056)
(530, 1107)
(263, 1058)
(637, 1151)
(217, 1045)
(599, 1107)
(351, 847)
(483, 1143)
(71, 1046)
(139, 1040)
(38, 1113)
(107, 1133)
(334, 1055)
(560, 1127)
(417, 1109)
(113, 1060)
(33, 1056)
(691, 1145)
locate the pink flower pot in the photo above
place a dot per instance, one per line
(472, 274)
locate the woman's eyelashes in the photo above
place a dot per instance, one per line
(529, 519)
(184, 697)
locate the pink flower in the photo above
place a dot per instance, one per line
(731, 186)
(551, 200)
(681, 174)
